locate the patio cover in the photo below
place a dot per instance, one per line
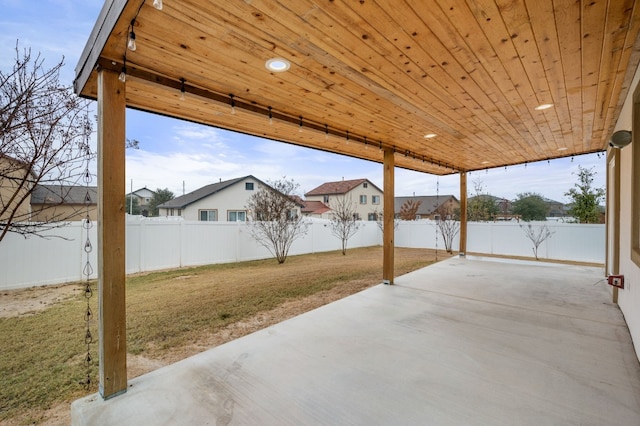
(366, 75)
(434, 86)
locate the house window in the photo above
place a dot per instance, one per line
(325, 199)
(208, 215)
(237, 216)
(248, 186)
(375, 199)
(363, 199)
(372, 216)
(365, 185)
(179, 212)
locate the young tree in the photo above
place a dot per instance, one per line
(481, 207)
(537, 235)
(448, 227)
(273, 218)
(585, 198)
(409, 209)
(160, 197)
(344, 223)
(44, 140)
(530, 206)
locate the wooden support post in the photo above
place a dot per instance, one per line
(463, 213)
(111, 235)
(389, 213)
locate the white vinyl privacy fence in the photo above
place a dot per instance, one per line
(569, 241)
(155, 244)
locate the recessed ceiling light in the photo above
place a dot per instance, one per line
(277, 64)
(564, 148)
(543, 106)
(430, 135)
(485, 162)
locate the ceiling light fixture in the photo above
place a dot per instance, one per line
(277, 65)
(430, 135)
(543, 107)
(157, 4)
(564, 148)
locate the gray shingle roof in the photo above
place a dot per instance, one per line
(63, 194)
(184, 200)
(428, 203)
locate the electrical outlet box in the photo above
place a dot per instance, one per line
(616, 280)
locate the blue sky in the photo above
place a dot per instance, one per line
(174, 154)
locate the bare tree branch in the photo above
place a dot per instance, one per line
(273, 218)
(44, 133)
(537, 235)
(380, 220)
(344, 223)
(448, 227)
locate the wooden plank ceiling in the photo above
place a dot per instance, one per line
(367, 74)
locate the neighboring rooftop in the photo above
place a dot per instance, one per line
(428, 203)
(200, 193)
(314, 207)
(64, 194)
(339, 187)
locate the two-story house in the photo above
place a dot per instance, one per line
(222, 201)
(144, 197)
(365, 196)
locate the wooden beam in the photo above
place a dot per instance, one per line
(107, 20)
(463, 213)
(389, 213)
(111, 234)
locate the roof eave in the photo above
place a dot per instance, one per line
(109, 15)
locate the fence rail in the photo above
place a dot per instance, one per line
(154, 245)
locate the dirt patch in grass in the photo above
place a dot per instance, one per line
(171, 315)
(28, 301)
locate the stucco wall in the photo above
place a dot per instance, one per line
(8, 188)
(629, 297)
(232, 198)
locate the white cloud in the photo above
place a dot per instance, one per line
(170, 170)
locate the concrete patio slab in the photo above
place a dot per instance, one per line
(463, 341)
